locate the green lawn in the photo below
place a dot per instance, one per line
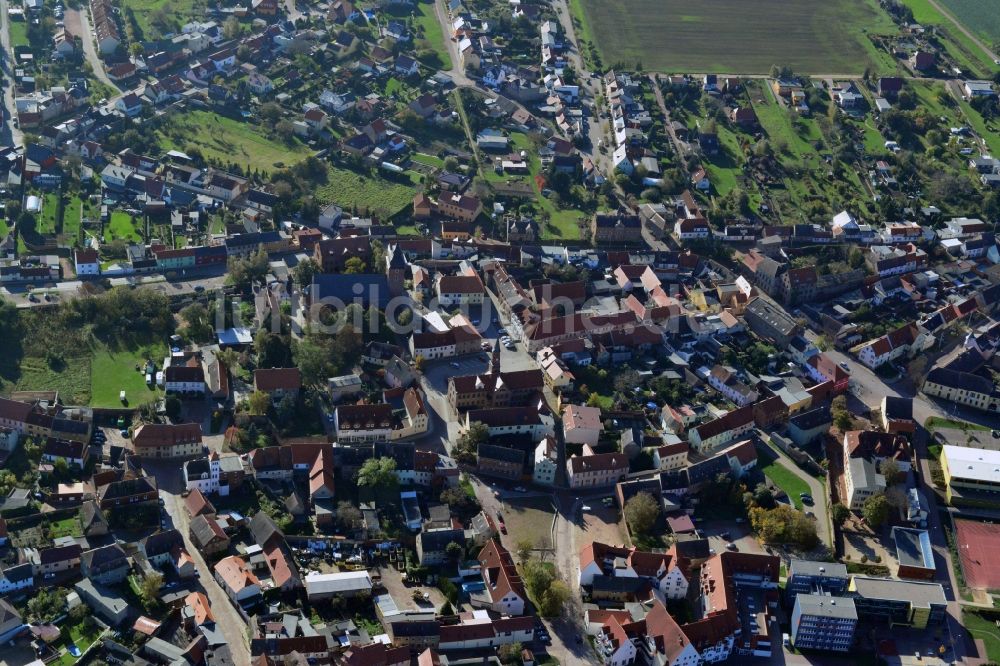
(4, 227)
(396, 87)
(798, 143)
(935, 422)
(216, 225)
(156, 18)
(114, 371)
(739, 37)
(796, 136)
(562, 222)
(74, 634)
(985, 630)
(72, 214)
(228, 140)
(786, 479)
(18, 34)
(429, 160)
(48, 219)
(122, 226)
(727, 165)
(976, 121)
(428, 28)
(66, 527)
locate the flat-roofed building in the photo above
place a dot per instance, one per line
(972, 476)
(821, 622)
(914, 553)
(811, 577)
(898, 602)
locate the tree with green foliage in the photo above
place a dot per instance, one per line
(378, 474)
(890, 470)
(244, 273)
(258, 403)
(839, 513)
(783, 524)
(454, 551)
(554, 599)
(197, 323)
(272, 350)
(762, 496)
(510, 653)
(537, 578)
(641, 512)
(354, 265)
(459, 501)
(150, 591)
(305, 271)
(466, 449)
(876, 511)
(172, 407)
(46, 604)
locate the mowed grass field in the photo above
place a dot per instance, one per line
(114, 371)
(228, 140)
(739, 37)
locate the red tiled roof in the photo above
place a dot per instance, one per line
(273, 379)
(166, 434)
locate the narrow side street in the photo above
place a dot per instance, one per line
(11, 135)
(230, 622)
(89, 46)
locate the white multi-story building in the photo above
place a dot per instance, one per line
(595, 470)
(546, 462)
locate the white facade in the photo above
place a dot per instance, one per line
(88, 268)
(352, 435)
(460, 298)
(205, 482)
(546, 465)
(184, 387)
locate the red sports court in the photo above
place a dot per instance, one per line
(978, 546)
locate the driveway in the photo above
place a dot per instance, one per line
(821, 508)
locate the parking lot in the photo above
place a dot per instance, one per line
(739, 534)
(403, 594)
(600, 523)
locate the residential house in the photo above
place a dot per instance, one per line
(582, 425)
(238, 581)
(166, 440)
(504, 592)
(616, 228)
(278, 382)
(106, 565)
(592, 470)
